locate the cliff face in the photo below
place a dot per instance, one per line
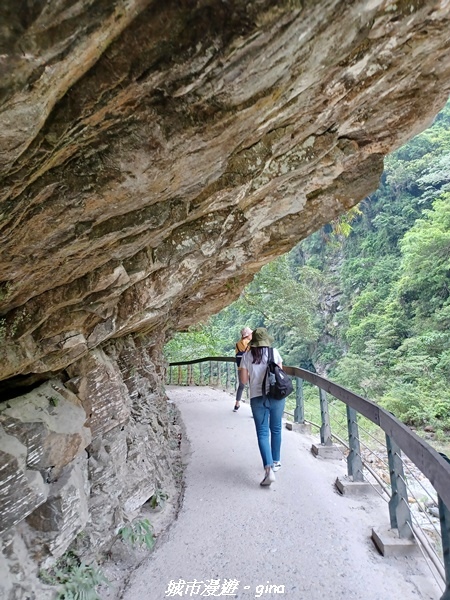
(153, 157)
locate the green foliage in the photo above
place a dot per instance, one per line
(159, 498)
(281, 297)
(395, 279)
(415, 406)
(53, 401)
(76, 580)
(404, 402)
(138, 533)
(358, 374)
(425, 279)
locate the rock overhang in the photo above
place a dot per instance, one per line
(154, 157)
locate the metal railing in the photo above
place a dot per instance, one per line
(211, 373)
(430, 525)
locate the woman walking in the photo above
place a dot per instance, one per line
(242, 346)
(267, 412)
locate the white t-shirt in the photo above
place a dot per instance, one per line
(256, 372)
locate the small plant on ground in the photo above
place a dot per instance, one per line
(138, 533)
(53, 401)
(77, 580)
(158, 499)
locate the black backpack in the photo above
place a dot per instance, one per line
(280, 384)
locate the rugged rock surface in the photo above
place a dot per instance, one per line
(75, 468)
(153, 157)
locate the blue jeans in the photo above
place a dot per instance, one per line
(267, 414)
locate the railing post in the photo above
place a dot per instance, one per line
(219, 375)
(236, 381)
(354, 461)
(299, 412)
(210, 373)
(325, 429)
(444, 518)
(170, 375)
(227, 383)
(179, 375)
(399, 512)
(201, 373)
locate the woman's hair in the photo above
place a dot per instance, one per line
(257, 354)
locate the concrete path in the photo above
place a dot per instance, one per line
(298, 539)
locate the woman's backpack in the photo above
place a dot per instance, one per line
(280, 384)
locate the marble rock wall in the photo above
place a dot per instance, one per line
(80, 455)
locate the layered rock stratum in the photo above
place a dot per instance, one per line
(153, 156)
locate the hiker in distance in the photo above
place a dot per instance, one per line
(267, 412)
(242, 346)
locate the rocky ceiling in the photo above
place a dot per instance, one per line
(154, 155)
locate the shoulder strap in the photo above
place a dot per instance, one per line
(265, 375)
(269, 361)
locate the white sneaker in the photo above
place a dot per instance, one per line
(269, 478)
(276, 466)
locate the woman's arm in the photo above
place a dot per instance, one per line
(243, 375)
(277, 359)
